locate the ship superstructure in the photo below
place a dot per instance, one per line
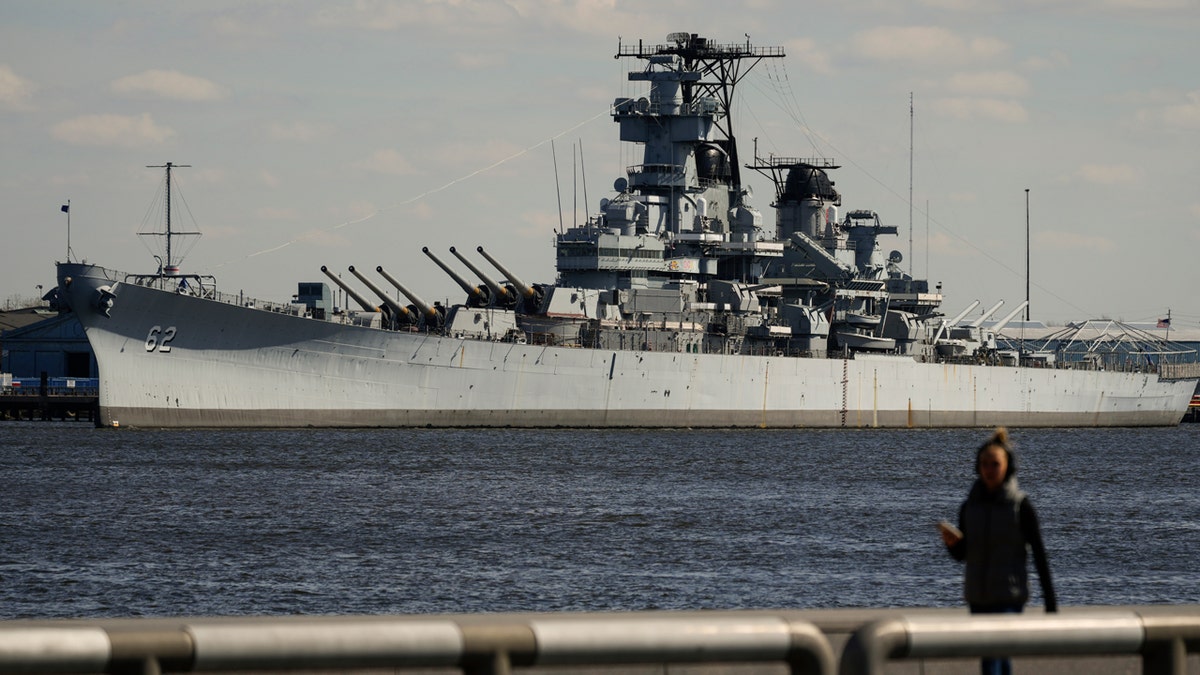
(682, 255)
(676, 304)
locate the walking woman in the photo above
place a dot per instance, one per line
(997, 526)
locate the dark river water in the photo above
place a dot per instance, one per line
(113, 523)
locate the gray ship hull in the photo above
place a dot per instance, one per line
(175, 360)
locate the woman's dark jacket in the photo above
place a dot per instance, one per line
(997, 529)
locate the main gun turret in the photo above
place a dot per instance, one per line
(477, 296)
(432, 316)
(506, 297)
(398, 313)
(531, 296)
(367, 305)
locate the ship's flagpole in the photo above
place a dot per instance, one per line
(66, 208)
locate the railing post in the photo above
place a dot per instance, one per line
(1170, 634)
(1165, 657)
(147, 652)
(810, 653)
(493, 649)
(870, 647)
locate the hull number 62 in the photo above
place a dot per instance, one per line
(159, 339)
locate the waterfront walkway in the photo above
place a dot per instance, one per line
(1094, 640)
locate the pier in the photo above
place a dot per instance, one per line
(1096, 640)
(44, 398)
(1193, 411)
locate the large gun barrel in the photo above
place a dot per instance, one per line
(986, 315)
(953, 322)
(958, 317)
(367, 306)
(500, 293)
(522, 288)
(474, 293)
(398, 311)
(428, 311)
(1011, 315)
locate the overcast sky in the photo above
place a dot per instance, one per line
(354, 133)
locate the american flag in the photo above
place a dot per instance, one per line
(1164, 323)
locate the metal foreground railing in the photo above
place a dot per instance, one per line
(742, 641)
(1161, 636)
(475, 644)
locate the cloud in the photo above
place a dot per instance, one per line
(959, 5)
(998, 110)
(925, 45)
(989, 83)
(477, 155)
(369, 14)
(808, 53)
(1085, 5)
(1148, 5)
(478, 60)
(486, 19)
(537, 224)
(421, 210)
(1072, 241)
(945, 246)
(276, 213)
(294, 131)
(1184, 115)
(388, 161)
(1052, 61)
(318, 238)
(112, 130)
(269, 179)
(1108, 174)
(15, 91)
(387, 15)
(169, 84)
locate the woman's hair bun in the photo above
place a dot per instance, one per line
(999, 437)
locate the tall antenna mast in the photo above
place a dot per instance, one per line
(910, 183)
(1027, 254)
(170, 265)
(557, 190)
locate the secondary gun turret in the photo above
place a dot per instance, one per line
(432, 316)
(477, 296)
(506, 297)
(953, 322)
(531, 296)
(398, 313)
(355, 295)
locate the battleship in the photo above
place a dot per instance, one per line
(675, 304)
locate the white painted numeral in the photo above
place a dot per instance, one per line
(160, 339)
